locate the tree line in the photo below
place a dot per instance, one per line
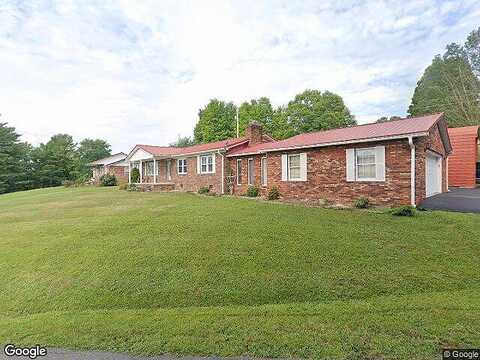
(24, 167)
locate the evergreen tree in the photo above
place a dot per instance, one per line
(15, 164)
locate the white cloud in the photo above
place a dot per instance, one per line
(138, 72)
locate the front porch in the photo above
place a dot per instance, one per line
(154, 174)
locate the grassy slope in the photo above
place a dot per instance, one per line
(155, 273)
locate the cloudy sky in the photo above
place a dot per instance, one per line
(137, 71)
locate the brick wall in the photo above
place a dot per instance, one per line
(190, 181)
(326, 176)
(119, 172)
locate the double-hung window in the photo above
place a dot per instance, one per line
(182, 166)
(206, 164)
(239, 171)
(251, 170)
(294, 167)
(263, 171)
(366, 164)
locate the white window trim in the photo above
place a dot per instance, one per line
(239, 170)
(250, 174)
(299, 168)
(181, 167)
(352, 165)
(263, 172)
(206, 164)
(356, 164)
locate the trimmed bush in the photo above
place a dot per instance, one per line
(135, 175)
(204, 190)
(273, 193)
(108, 180)
(252, 191)
(362, 203)
(407, 210)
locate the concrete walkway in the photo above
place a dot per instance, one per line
(60, 354)
(463, 200)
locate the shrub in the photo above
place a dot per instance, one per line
(252, 191)
(108, 180)
(404, 211)
(135, 175)
(123, 187)
(362, 203)
(204, 190)
(68, 183)
(273, 193)
(131, 187)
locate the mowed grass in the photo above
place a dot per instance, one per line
(99, 268)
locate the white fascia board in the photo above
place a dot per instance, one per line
(385, 138)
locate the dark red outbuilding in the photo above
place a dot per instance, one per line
(464, 162)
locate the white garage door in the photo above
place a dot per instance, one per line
(433, 174)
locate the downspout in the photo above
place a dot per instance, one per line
(223, 177)
(412, 171)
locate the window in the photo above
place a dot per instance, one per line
(149, 170)
(294, 167)
(182, 166)
(263, 170)
(125, 171)
(251, 169)
(239, 172)
(206, 164)
(365, 164)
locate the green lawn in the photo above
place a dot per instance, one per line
(99, 268)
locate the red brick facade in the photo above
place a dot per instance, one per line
(326, 171)
(327, 178)
(191, 181)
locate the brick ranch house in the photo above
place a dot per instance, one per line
(114, 164)
(394, 163)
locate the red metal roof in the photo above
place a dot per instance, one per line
(462, 162)
(406, 126)
(170, 150)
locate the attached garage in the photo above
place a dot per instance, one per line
(433, 174)
(464, 162)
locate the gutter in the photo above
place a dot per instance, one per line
(222, 184)
(412, 171)
(397, 137)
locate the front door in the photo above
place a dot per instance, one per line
(433, 174)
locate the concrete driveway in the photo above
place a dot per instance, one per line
(462, 200)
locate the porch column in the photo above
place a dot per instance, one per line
(141, 171)
(129, 172)
(154, 171)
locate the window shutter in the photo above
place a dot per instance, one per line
(303, 166)
(380, 161)
(198, 164)
(350, 164)
(213, 161)
(284, 167)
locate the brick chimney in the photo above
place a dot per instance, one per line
(254, 132)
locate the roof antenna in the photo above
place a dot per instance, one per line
(238, 125)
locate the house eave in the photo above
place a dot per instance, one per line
(336, 143)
